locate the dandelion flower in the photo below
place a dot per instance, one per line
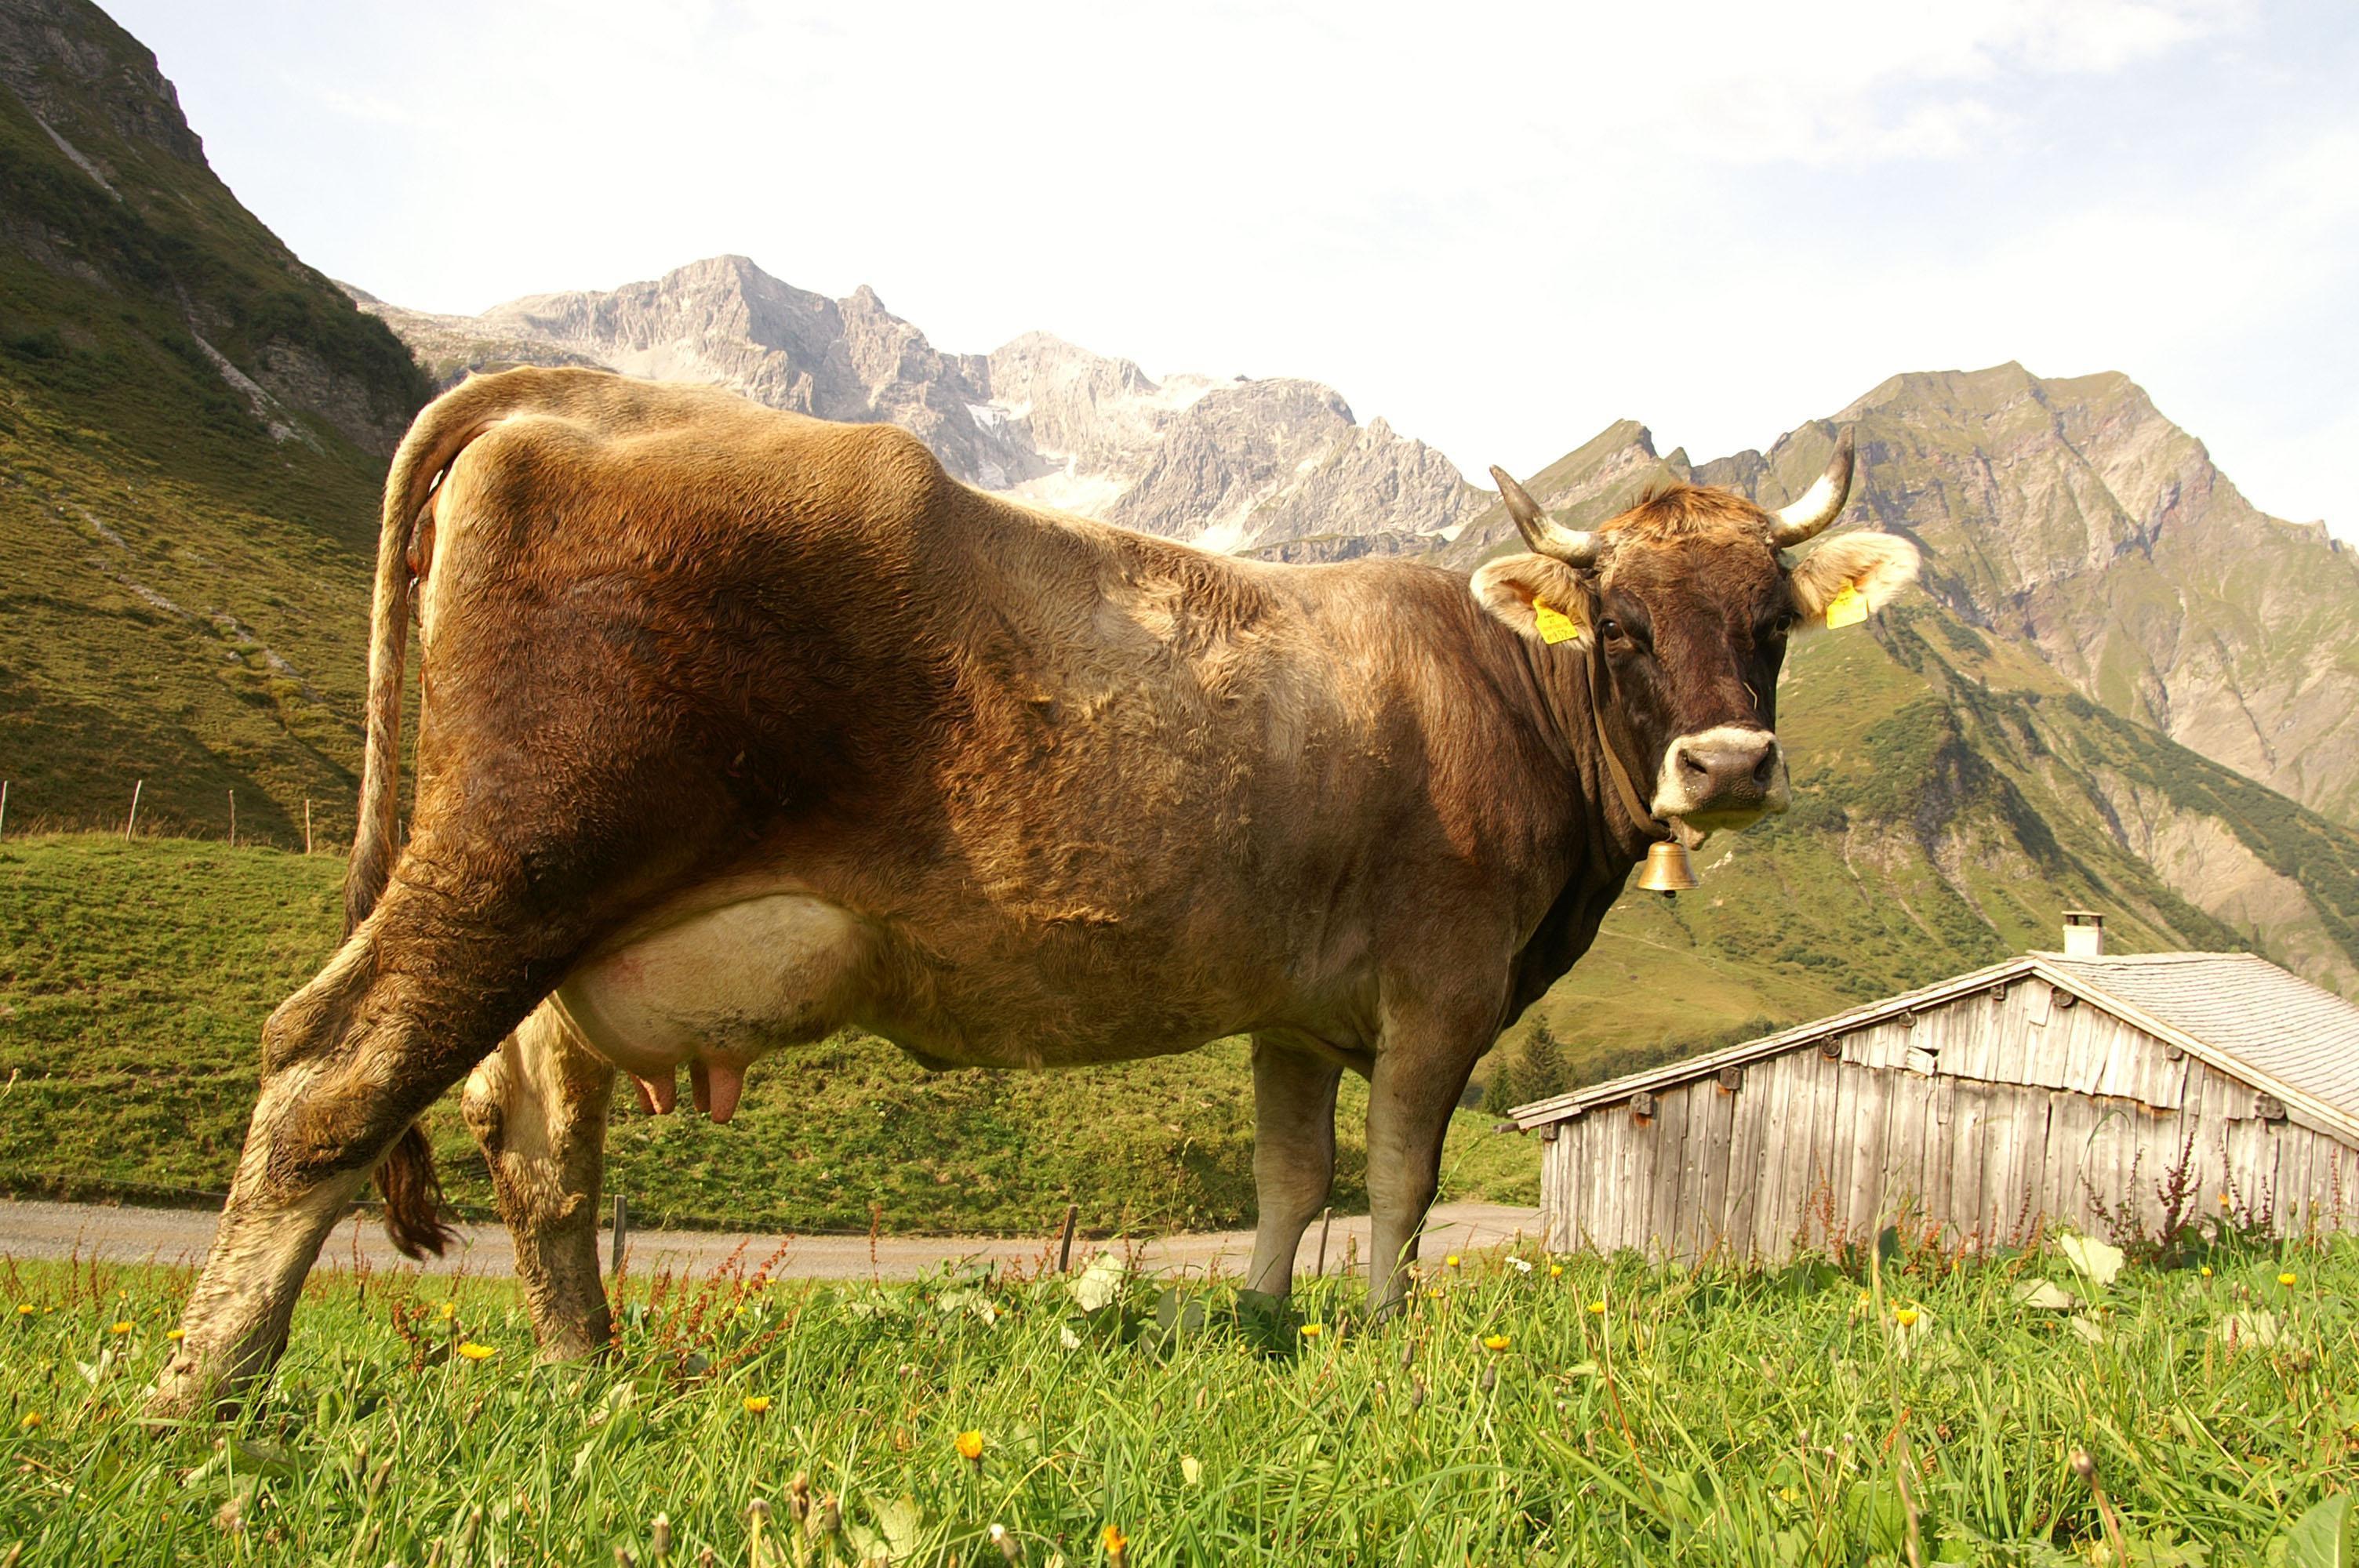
(2224, 1200)
(1117, 1545)
(1905, 1316)
(970, 1446)
(123, 1327)
(32, 1419)
(23, 1309)
(2207, 1271)
(1556, 1270)
(1495, 1342)
(176, 1333)
(1450, 1261)
(449, 1311)
(756, 1404)
(474, 1352)
(1313, 1330)
(2286, 1279)
(1597, 1309)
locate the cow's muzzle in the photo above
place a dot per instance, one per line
(1723, 778)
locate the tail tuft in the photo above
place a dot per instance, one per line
(413, 1197)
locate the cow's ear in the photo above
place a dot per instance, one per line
(1541, 598)
(1849, 574)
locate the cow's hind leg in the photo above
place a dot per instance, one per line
(421, 991)
(1294, 1156)
(537, 1105)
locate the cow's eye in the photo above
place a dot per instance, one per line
(1609, 627)
(1784, 622)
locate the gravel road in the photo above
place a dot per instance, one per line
(57, 1230)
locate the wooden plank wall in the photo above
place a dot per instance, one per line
(1979, 1120)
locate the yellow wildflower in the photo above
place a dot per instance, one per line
(1450, 1261)
(474, 1352)
(32, 1420)
(123, 1327)
(1905, 1316)
(1556, 1270)
(970, 1446)
(2286, 1280)
(1495, 1342)
(1313, 1330)
(449, 1311)
(23, 1309)
(1597, 1309)
(176, 1333)
(756, 1403)
(2207, 1271)
(1117, 1545)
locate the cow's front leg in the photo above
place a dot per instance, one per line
(1422, 1067)
(1294, 1156)
(537, 1105)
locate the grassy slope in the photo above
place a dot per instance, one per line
(134, 979)
(185, 598)
(1711, 1416)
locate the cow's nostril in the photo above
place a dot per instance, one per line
(1767, 768)
(1692, 764)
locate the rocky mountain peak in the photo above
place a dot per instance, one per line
(67, 61)
(1231, 464)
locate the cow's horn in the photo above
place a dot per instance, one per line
(1569, 546)
(1821, 505)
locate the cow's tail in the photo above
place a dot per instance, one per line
(413, 1193)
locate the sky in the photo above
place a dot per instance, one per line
(1499, 227)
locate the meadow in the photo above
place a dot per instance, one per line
(1895, 1406)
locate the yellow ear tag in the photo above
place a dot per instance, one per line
(1847, 608)
(1555, 625)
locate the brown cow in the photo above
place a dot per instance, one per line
(740, 728)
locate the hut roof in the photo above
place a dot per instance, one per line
(2239, 1013)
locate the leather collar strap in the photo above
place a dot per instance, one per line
(1645, 820)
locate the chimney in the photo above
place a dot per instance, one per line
(2084, 933)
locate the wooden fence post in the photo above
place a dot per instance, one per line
(137, 786)
(1325, 1220)
(622, 1233)
(1065, 1242)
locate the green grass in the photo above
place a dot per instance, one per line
(135, 977)
(186, 596)
(1708, 1415)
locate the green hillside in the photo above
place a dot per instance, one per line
(193, 429)
(135, 978)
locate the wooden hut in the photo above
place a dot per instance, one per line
(2043, 1091)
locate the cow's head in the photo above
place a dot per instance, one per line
(1685, 601)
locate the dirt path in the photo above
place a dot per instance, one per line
(59, 1230)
